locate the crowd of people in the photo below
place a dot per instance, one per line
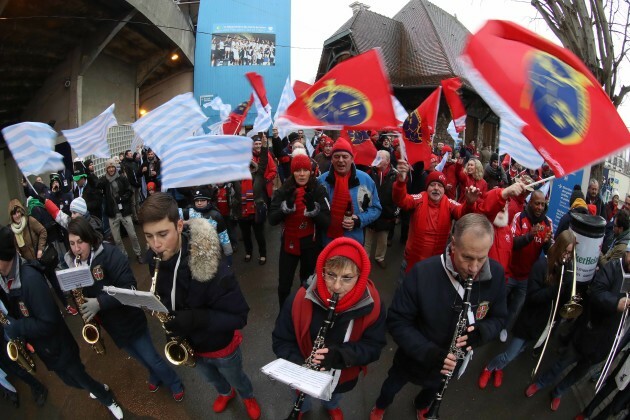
(242, 50)
(468, 215)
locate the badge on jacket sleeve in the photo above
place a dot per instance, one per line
(482, 310)
(24, 309)
(97, 273)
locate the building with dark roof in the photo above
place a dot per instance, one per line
(420, 45)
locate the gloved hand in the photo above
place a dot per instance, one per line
(309, 201)
(12, 329)
(474, 338)
(290, 197)
(90, 308)
(336, 358)
(184, 322)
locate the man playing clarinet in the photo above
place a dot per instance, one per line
(426, 308)
(357, 334)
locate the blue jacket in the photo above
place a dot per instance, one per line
(364, 200)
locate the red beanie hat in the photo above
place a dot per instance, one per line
(300, 162)
(151, 186)
(351, 249)
(325, 140)
(447, 148)
(436, 176)
(342, 145)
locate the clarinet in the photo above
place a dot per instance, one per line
(318, 344)
(460, 330)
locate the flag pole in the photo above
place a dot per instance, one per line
(541, 181)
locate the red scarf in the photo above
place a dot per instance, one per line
(302, 315)
(297, 225)
(340, 200)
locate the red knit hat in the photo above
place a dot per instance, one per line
(351, 249)
(342, 145)
(325, 140)
(151, 186)
(436, 176)
(300, 162)
(447, 148)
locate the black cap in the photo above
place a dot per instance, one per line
(494, 156)
(293, 137)
(202, 194)
(7, 244)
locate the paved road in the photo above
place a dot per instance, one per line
(128, 379)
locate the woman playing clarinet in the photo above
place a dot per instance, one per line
(356, 334)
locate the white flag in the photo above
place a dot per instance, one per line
(32, 146)
(91, 137)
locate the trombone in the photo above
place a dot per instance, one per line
(572, 309)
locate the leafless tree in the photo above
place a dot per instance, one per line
(597, 31)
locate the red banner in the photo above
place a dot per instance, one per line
(458, 111)
(300, 87)
(356, 93)
(363, 148)
(257, 82)
(418, 130)
(233, 124)
(547, 93)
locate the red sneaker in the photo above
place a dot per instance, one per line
(498, 378)
(71, 310)
(580, 417)
(421, 413)
(377, 413)
(179, 396)
(252, 407)
(484, 378)
(531, 390)
(153, 387)
(335, 414)
(222, 401)
(555, 403)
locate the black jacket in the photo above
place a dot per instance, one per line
(389, 211)
(111, 268)
(540, 297)
(112, 201)
(132, 171)
(93, 196)
(322, 219)
(596, 327)
(357, 353)
(425, 309)
(213, 291)
(38, 318)
(565, 220)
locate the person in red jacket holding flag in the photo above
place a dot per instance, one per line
(532, 231)
(471, 175)
(357, 335)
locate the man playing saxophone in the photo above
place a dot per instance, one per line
(427, 306)
(33, 315)
(126, 325)
(357, 334)
(206, 305)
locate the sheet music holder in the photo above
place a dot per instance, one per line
(314, 383)
(137, 298)
(74, 278)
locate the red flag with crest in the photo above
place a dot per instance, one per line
(356, 93)
(419, 127)
(547, 93)
(234, 122)
(458, 112)
(299, 87)
(362, 146)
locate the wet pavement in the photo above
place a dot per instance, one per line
(127, 378)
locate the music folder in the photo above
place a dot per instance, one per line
(314, 383)
(137, 298)
(74, 278)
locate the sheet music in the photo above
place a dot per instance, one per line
(137, 298)
(311, 382)
(74, 278)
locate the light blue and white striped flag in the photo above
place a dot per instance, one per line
(91, 137)
(175, 120)
(32, 146)
(217, 104)
(205, 160)
(286, 99)
(512, 141)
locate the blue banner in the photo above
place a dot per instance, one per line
(561, 190)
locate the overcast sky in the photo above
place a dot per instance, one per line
(314, 21)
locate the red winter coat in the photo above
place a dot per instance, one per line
(450, 172)
(529, 245)
(501, 249)
(464, 181)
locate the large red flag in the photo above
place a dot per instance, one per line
(419, 127)
(355, 93)
(458, 112)
(362, 146)
(547, 93)
(257, 82)
(233, 124)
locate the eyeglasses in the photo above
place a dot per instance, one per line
(332, 278)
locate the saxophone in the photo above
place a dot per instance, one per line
(91, 332)
(16, 350)
(458, 352)
(178, 351)
(318, 344)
